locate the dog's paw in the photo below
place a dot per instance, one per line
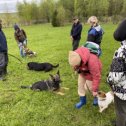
(100, 110)
(60, 93)
(64, 88)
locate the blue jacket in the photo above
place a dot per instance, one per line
(76, 31)
(95, 34)
(3, 42)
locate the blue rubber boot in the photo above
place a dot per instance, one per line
(81, 103)
(95, 101)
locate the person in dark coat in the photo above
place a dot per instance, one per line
(21, 39)
(3, 53)
(76, 33)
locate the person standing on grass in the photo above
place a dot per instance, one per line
(88, 66)
(117, 75)
(94, 37)
(76, 33)
(3, 53)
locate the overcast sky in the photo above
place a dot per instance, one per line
(10, 5)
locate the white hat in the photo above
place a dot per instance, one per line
(74, 58)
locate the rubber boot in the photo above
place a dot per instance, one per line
(95, 101)
(81, 103)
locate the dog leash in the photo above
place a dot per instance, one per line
(15, 57)
(88, 88)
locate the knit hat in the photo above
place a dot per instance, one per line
(74, 58)
(16, 27)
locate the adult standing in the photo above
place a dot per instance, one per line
(3, 53)
(76, 33)
(94, 37)
(117, 75)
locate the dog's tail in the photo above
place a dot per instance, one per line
(55, 65)
(24, 87)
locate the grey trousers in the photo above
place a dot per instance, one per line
(120, 108)
(75, 44)
(3, 63)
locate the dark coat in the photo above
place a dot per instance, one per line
(76, 31)
(3, 42)
(20, 36)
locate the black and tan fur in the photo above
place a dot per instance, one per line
(52, 84)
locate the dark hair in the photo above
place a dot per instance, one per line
(16, 27)
(120, 32)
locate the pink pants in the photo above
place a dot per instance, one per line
(83, 85)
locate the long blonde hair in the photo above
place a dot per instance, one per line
(93, 20)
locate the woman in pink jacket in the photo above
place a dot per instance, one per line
(89, 67)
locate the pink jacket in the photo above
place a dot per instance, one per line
(92, 65)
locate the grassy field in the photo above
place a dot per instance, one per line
(24, 107)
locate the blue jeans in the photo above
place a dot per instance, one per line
(22, 45)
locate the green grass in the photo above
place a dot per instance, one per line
(19, 107)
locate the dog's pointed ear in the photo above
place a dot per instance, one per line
(51, 76)
(58, 72)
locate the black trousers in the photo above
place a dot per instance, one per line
(75, 44)
(3, 63)
(120, 108)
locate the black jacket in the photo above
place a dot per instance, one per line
(76, 31)
(3, 42)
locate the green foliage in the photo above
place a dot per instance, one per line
(61, 15)
(55, 21)
(66, 9)
(25, 11)
(46, 9)
(24, 107)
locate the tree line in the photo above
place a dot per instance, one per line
(59, 12)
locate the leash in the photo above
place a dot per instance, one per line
(15, 57)
(88, 88)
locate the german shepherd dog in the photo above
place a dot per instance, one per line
(52, 84)
(41, 66)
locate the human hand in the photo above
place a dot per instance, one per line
(94, 94)
(19, 44)
(71, 38)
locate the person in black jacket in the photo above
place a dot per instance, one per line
(3, 53)
(76, 33)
